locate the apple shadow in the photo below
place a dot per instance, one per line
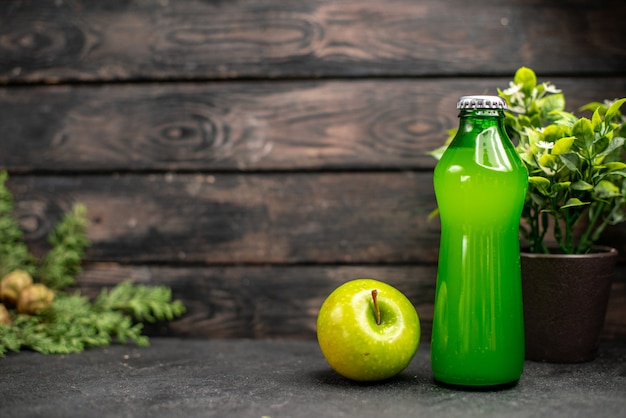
(329, 377)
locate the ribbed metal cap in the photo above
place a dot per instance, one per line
(481, 102)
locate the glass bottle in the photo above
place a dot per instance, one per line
(480, 185)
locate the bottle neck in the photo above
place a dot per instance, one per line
(482, 113)
(480, 119)
(483, 123)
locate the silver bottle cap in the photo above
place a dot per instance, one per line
(481, 102)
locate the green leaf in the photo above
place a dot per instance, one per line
(527, 78)
(534, 135)
(563, 145)
(551, 103)
(614, 109)
(536, 121)
(615, 143)
(547, 160)
(593, 106)
(571, 161)
(615, 166)
(432, 215)
(563, 118)
(541, 183)
(606, 189)
(562, 185)
(582, 186)
(583, 131)
(553, 133)
(596, 119)
(573, 202)
(438, 152)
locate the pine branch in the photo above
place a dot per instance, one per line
(57, 322)
(70, 325)
(68, 243)
(73, 323)
(14, 253)
(143, 303)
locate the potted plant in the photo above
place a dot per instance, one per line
(576, 188)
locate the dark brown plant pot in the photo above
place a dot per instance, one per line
(565, 302)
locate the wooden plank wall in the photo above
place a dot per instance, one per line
(254, 154)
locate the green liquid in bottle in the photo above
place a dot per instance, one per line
(478, 327)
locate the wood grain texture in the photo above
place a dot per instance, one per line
(229, 218)
(283, 301)
(240, 126)
(53, 42)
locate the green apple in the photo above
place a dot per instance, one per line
(368, 330)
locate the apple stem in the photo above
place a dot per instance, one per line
(376, 308)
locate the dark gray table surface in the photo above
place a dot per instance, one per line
(245, 378)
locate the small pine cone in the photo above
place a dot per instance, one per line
(12, 284)
(34, 298)
(5, 318)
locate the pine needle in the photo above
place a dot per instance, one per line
(73, 323)
(143, 303)
(68, 243)
(14, 253)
